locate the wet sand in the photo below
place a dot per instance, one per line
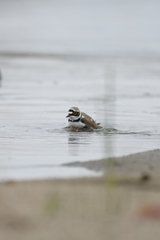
(139, 164)
(114, 207)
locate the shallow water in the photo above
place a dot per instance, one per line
(99, 55)
(36, 93)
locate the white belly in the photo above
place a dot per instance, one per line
(76, 124)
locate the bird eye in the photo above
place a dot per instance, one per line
(74, 113)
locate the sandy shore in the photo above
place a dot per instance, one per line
(112, 207)
(135, 164)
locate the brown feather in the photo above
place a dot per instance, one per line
(88, 121)
(75, 108)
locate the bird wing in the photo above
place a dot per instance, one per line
(88, 121)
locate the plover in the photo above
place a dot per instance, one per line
(79, 119)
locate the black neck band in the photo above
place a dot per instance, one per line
(77, 120)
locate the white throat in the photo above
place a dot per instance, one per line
(77, 124)
(74, 118)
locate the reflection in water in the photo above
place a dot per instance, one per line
(73, 145)
(75, 140)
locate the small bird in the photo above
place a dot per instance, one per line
(78, 119)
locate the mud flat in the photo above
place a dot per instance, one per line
(111, 207)
(134, 164)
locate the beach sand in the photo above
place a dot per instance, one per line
(116, 206)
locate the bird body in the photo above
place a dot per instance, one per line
(79, 119)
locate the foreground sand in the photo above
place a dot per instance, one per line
(112, 207)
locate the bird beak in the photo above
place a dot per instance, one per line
(68, 115)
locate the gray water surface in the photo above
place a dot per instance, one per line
(36, 93)
(99, 55)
